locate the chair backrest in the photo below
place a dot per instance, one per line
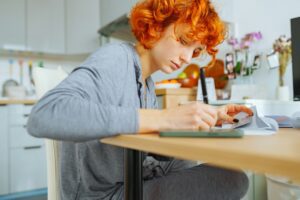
(46, 79)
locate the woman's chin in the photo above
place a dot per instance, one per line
(167, 70)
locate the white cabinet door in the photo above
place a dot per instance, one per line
(27, 169)
(82, 24)
(18, 114)
(112, 9)
(19, 138)
(46, 26)
(4, 189)
(12, 23)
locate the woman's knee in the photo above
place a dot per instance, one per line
(239, 181)
(231, 182)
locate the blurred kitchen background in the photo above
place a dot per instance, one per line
(52, 33)
(64, 32)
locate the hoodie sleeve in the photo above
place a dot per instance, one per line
(75, 109)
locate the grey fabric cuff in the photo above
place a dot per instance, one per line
(124, 121)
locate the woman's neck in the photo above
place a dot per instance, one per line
(145, 58)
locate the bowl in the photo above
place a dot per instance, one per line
(188, 82)
(167, 85)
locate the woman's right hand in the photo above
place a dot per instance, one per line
(190, 116)
(193, 116)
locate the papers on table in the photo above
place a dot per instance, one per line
(282, 120)
(254, 125)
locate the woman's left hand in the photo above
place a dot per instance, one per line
(226, 113)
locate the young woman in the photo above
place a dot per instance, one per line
(112, 93)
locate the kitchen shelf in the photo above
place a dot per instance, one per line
(40, 55)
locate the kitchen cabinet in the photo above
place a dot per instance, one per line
(82, 24)
(112, 9)
(19, 138)
(45, 26)
(54, 27)
(63, 27)
(23, 157)
(12, 23)
(4, 150)
(32, 174)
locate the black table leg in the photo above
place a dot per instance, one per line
(133, 175)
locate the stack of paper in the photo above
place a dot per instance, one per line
(254, 125)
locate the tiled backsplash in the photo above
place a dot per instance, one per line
(5, 61)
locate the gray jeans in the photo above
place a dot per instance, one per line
(184, 180)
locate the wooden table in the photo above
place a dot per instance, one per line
(277, 154)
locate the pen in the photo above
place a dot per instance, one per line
(203, 85)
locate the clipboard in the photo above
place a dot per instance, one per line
(212, 133)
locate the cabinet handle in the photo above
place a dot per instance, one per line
(24, 126)
(26, 115)
(33, 147)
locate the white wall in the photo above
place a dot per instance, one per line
(272, 18)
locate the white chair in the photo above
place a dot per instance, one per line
(45, 79)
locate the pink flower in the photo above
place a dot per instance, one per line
(258, 35)
(245, 42)
(233, 42)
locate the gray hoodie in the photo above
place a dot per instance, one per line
(100, 98)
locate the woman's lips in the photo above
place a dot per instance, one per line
(176, 66)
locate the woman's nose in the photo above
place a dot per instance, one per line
(186, 57)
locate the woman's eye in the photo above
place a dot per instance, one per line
(197, 52)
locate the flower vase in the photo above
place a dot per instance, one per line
(283, 63)
(283, 93)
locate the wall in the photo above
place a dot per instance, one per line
(272, 18)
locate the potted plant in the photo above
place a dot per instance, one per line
(241, 52)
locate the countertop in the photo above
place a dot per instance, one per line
(6, 101)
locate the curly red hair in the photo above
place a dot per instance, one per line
(149, 19)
